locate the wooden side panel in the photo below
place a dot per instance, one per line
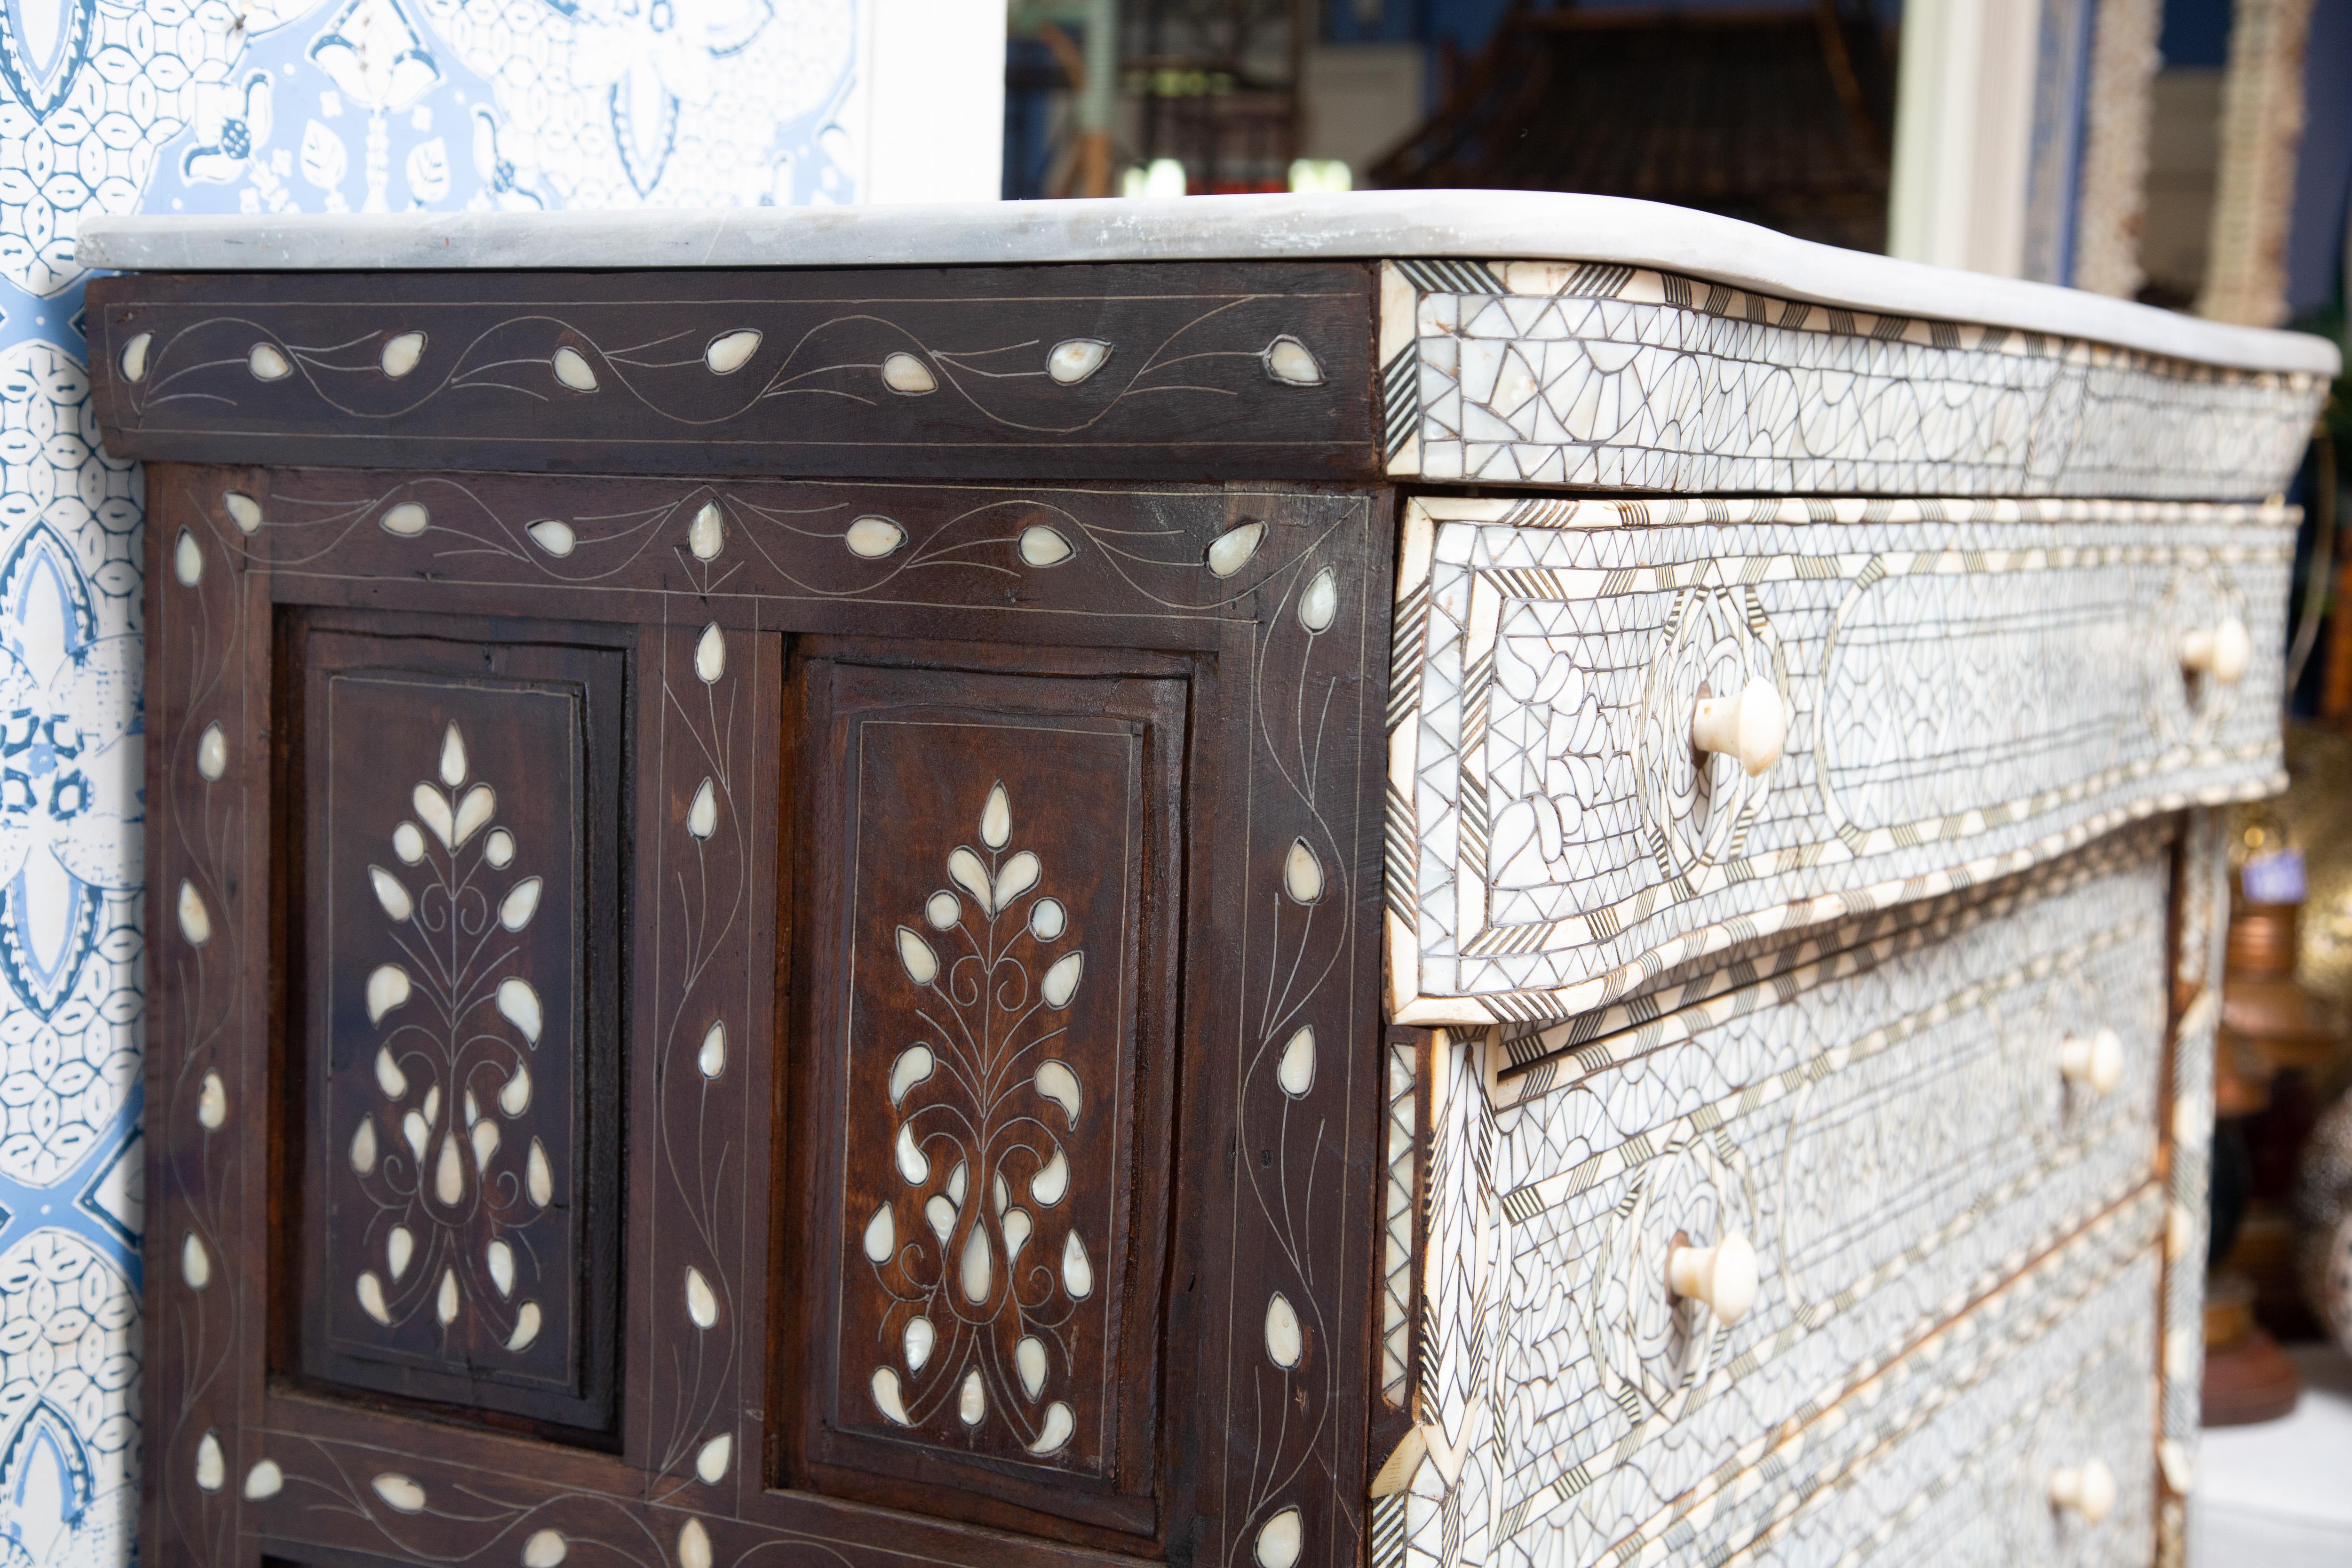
(1238, 369)
(458, 927)
(1191, 674)
(993, 913)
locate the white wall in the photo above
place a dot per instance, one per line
(1963, 133)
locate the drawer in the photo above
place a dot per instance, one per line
(1958, 1459)
(1891, 1128)
(1967, 688)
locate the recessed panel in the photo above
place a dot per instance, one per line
(458, 836)
(997, 1163)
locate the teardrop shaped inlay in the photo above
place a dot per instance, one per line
(1061, 982)
(706, 535)
(392, 893)
(1284, 1342)
(572, 369)
(977, 1272)
(921, 964)
(914, 1168)
(903, 374)
(996, 817)
(874, 537)
(212, 754)
(521, 903)
(407, 520)
(1050, 1185)
(1231, 551)
(1077, 1269)
(710, 655)
(1072, 360)
(1029, 1359)
(1320, 603)
(913, 1066)
(449, 1172)
(196, 920)
(1057, 1083)
(730, 352)
(1302, 874)
(1297, 1072)
(401, 354)
(1042, 546)
(518, 1004)
(554, 536)
(972, 1400)
(1287, 360)
(881, 1235)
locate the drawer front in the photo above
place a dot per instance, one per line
(1969, 688)
(1890, 1128)
(1945, 1454)
(1972, 1487)
(1962, 1476)
(1621, 378)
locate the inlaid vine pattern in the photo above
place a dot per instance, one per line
(982, 1295)
(459, 1029)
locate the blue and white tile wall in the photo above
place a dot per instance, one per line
(252, 106)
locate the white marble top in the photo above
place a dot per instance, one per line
(1466, 224)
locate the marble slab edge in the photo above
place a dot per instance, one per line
(1373, 225)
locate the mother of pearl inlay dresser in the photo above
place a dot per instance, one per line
(1450, 878)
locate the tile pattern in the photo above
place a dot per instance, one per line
(1400, 1221)
(1608, 377)
(274, 106)
(1573, 1415)
(1552, 843)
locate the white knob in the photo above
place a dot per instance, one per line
(2088, 1489)
(2220, 651)
(2095, 1062)
(1750, 725)
(1722, 1276)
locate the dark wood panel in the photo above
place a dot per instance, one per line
(458, 938)
(1272, 1141)
(991, 906)
(1115, 371)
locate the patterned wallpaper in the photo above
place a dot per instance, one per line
(227, 106)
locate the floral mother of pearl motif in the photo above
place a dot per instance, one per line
(983, 1296)
(453, 1065)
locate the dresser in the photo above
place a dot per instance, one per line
(1421, 879)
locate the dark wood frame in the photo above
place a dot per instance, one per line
(1276, 1191)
